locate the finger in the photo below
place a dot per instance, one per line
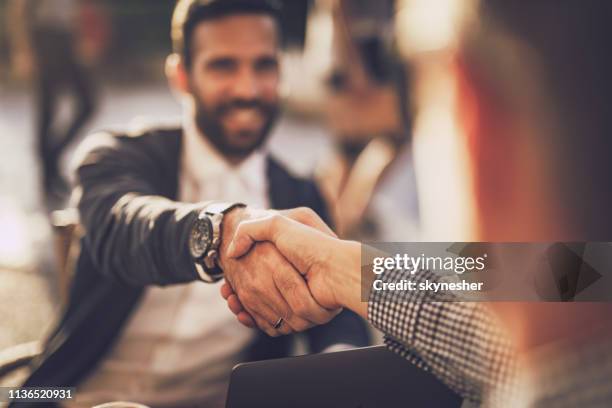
(295, 322)
(226, 290)
(306, 216)
(247, 320)
(286, 294)
(249, 232)
(255, 291)
(234, 304)
(266, 316)
(293, 319)
(276, 308)
(271, 263)
(268, 327)
(263, 325)
(300, 300)
(236, 307)
(284, 328)
(290, 284)
(294, 240)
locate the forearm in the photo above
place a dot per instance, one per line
(134, 232)
(140, 239)
(460, 342)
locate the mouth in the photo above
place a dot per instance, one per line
(240, 119)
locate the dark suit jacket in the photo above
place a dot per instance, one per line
(136, 235)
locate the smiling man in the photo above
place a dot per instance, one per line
(157, 208)
(230, 67)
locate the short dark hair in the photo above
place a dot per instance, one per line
(189, 13)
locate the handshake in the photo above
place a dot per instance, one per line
(286, 271)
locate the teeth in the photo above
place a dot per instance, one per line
(244, 115)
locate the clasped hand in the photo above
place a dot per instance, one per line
(266, 281)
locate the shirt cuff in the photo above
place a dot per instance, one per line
(396, 313)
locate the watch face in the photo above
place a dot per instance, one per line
(201, 235)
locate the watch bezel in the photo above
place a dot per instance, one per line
(196, 254)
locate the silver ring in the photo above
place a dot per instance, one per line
(278, 323)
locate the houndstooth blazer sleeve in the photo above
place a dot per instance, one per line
(459, 342)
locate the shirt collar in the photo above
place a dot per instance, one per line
(204, 163)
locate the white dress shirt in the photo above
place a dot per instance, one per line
(180, 344)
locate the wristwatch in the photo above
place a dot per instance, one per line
(205, 240)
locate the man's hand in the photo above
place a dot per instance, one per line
(268, 286)
(330, 266)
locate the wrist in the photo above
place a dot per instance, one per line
(231, 221)
(346, 276)
(206, 236)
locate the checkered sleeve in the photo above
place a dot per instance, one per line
(459, 342)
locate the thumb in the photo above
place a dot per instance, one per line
(249, 232)
(306, 216)
(239, 246)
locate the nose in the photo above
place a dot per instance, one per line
(246, 85)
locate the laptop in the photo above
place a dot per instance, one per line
(360, 378)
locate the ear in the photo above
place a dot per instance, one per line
(176, 73)
(485, 121)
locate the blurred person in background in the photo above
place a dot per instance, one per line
(55, 43)
(518, 94)
(367, 178)
(144, 320)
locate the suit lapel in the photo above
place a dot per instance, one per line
(281, 185)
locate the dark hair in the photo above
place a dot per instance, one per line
(571, 40)
(189, 13)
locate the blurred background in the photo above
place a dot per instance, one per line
(130, 40)
(101, 66)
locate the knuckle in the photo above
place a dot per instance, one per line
(244, 290)
(284, 281)
(288, 314)
(276, 221)
(252, 284)
(246, 298)
(306, 214)
(265, 249)
(301, 309)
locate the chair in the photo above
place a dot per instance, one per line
(15, 358)
(67, 233)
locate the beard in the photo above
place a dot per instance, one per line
(238, 144)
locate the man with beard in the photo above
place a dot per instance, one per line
(157, 208)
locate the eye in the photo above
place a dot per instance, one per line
(338, 81)
(222, 65)
(266, 64)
